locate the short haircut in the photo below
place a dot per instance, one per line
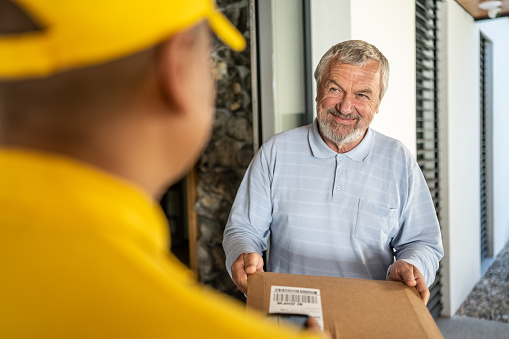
(358, 53)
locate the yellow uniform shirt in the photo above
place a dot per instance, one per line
(84, 254)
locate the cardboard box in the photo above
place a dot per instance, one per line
(352, 308)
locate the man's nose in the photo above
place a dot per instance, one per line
(345, 105)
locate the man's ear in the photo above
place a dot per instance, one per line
(173, 68)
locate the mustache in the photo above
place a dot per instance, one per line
(338, 114)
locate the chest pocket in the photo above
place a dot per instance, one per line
(374, 223)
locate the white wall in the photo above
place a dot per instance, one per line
(330, 24)
(459, 88)
(390, 26)
(498, 32)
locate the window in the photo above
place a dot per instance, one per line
(486, 147)
(427, 114)
(284, 83)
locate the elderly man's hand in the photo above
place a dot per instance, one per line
(246, 263)
(410, 275)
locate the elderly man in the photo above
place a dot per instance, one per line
(103, 104)
(337, 198)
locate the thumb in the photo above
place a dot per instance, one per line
(253, 262)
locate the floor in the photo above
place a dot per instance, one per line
(485, 313)
(462, 327)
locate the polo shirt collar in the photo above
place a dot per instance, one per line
(320, 149)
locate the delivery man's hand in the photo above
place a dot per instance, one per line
(312, 326)
(246, 263)
(410, 275)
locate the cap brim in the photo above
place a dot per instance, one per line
(226, 31)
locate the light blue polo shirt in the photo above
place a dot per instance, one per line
(332, 214)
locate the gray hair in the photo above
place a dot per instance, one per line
(358, 53)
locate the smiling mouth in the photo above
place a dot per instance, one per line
(343, 118)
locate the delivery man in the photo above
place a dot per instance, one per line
(104, 104)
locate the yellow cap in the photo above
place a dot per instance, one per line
(80, 33)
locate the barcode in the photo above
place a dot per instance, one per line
(294, 290)
(295, 298)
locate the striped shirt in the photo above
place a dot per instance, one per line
(333, 214)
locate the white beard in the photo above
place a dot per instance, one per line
(329, 127)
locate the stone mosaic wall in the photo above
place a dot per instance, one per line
(225, 160)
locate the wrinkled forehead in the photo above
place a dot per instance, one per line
(367, 73)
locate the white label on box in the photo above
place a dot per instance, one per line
(297, 300)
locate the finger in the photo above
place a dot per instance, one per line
(253, 262)
(239, 275)
(423, 290)
(406, 271)
(422, 287)
(408, 278)
(390, 278)
(394, 272)
(312, 324)
(402, 271)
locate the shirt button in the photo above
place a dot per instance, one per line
(339, 170)
(338, 187)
